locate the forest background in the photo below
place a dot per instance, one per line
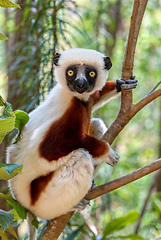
(39, 29)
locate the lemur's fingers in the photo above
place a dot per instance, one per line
(120, 81)
(129, 81)
(93, 184)
(128, 87)
(132, 77)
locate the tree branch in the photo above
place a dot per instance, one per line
(136, 20)
(56, 226)
(119, 182)
(126, 104)
(146, 100)
(124, 117)
(127, 71)
(152, 90)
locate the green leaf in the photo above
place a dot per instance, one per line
(6, 125)
(8, 112)
(16, 205)
(3, 234)
(4, 196)
(8, 171)
(19, 209)
(21, 119)
(74, 234)
(2, 101)
(157, 205)
(16, 216)
(121, 222)
(7, 3)
(7, 119)
(3, 37)
(5, 219)
(10, 120)
(11, 231)
(131, 237)
(35, 222)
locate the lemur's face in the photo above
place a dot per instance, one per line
(81, 78)
(81, 71)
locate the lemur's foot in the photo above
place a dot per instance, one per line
(127, 85)
(112, 157)
(93, 185)
(81, 205)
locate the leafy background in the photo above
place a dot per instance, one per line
(39, 29)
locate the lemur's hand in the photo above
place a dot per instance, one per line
(127, 85)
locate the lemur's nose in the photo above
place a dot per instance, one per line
(80, 85)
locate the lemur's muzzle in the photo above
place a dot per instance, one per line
(81, 85)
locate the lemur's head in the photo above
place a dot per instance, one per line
(82, 71)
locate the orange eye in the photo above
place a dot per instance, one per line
(92, 74)
(70, 73)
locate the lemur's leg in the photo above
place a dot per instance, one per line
(97, 129)
(69, 184)
(83, 165)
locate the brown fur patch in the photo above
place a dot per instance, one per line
(38, 185)
(108, 87)
(68, 133)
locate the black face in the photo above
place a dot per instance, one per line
(81, 78)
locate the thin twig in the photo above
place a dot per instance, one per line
(124, 117)
(145, 101)
(152, 90)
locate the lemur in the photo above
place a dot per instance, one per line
(61, 145)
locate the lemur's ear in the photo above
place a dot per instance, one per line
(56, 58)
(108, 63)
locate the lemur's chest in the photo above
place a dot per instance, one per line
(66, 133)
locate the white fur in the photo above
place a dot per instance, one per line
(81, 56)
(105, 99)
(70, 184)
(73, 173)
(98, 129)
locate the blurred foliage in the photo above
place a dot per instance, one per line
(47, 27)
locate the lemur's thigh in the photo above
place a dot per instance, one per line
(97, 128)
(70, 183)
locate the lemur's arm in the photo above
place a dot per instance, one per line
(111, 90)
